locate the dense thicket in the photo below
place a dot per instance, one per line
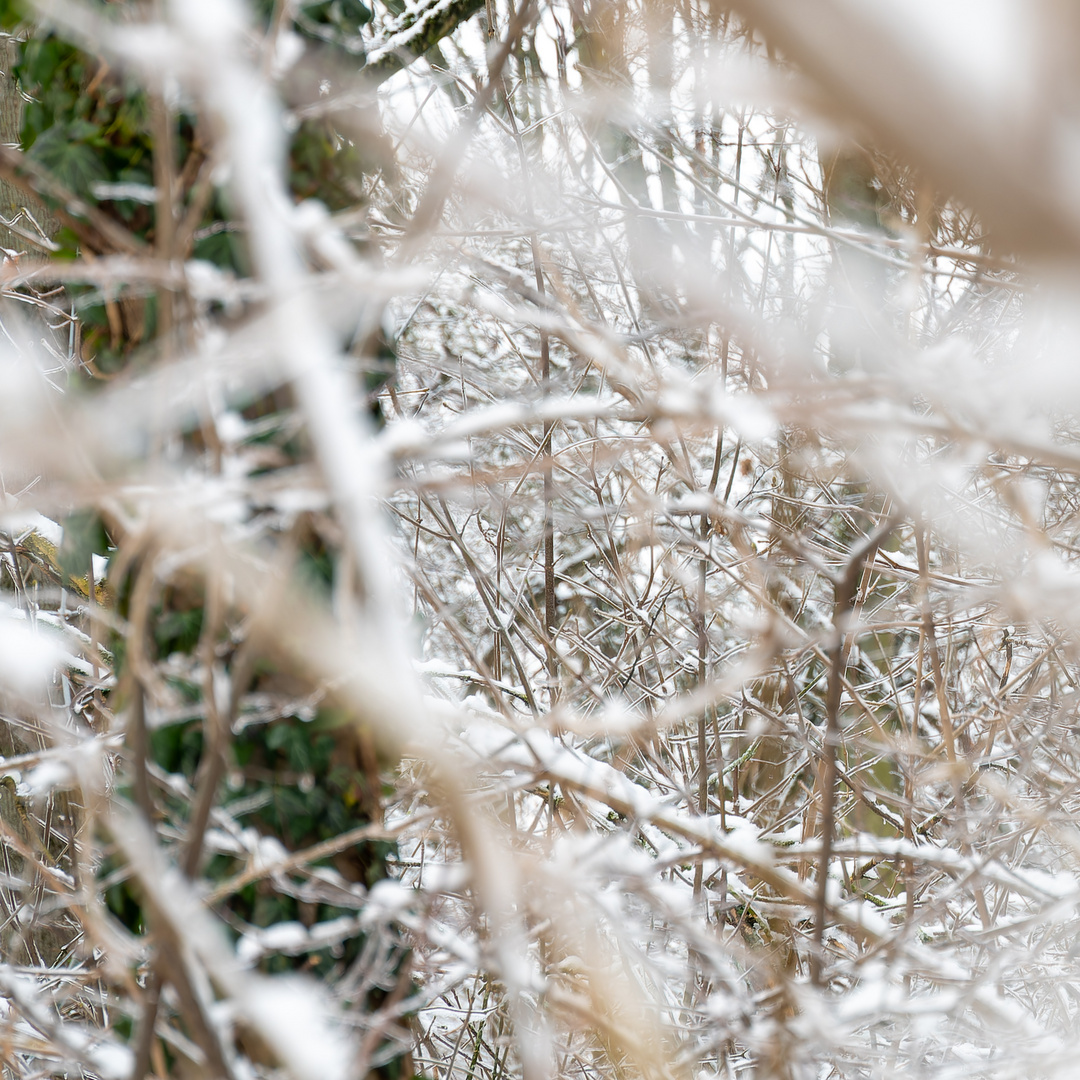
(538, 540)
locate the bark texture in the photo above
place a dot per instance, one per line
(17, 231)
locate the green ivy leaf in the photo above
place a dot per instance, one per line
(73, 163)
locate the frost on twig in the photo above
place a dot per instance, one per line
(538, 539)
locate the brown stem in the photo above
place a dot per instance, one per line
(845, 589)
(148, 1020)
(87, 222)
(550, 607)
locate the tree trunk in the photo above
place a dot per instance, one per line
(16, 207)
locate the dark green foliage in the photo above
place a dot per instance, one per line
(84, 537)
(315, 567)
(90, 126)
(121, 895)
(12, 14)
(379, 373)
(177, 748)
(315, 792)
(75, 163)
(111, 330)
(82, 122)
(177, 630)
(298, 780)
(297, 777)
(336, 21)
(222, 245)
(294, 773)
(324, 166)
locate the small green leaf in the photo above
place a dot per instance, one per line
(72, 163)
